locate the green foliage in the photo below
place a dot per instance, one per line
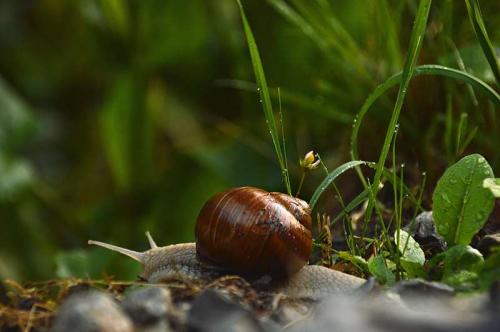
(122, 121)
(420, 70)
(15, 176)
(378, 268)
(354, 259)
(490, 271)
(73, 264)
(416, 38)
(17, 123)
(81, 263)
(464, 268)
(461, 204)
(482, 35)
(462, 264)
(265, 100)
(331, 177)
(412, 256)
(127, 133)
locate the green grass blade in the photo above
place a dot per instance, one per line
(358, 200)
(283, 140)
(420, 70)
(127, 133)
(264, 97)
(482, 35)
(303, 103)
(331, 177)
(416, 38)
(387, 25)
(293, 17)
(461, 66)
(326, 30)
(462, 126)
(470, 136)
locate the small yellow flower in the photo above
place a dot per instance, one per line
(310, 161)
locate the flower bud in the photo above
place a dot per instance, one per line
(310, 161)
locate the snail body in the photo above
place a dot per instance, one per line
(247, 231)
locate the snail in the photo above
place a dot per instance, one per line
(251, 232)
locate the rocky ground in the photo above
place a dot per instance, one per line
(231, 304)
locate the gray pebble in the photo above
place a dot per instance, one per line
(91, 311)
(424, 232)
(487, 242)
(212, 311)
(389, 312)
(147, 305)
(422, 288)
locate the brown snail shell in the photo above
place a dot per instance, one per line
(250, 230)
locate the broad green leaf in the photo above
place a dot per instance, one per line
(409, 248)
(379, 269)
(493, 185)
(413, 257)
(413, 270)
(461, 266)
(461, 203)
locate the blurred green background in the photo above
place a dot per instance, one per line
(118, 117)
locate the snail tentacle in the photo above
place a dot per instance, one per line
(152, 242)
(138, 256)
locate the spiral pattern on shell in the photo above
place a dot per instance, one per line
(250, 230)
